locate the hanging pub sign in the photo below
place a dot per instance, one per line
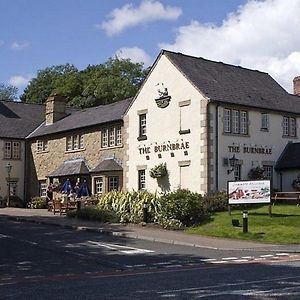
(244, 192)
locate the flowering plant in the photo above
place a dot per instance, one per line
(296, 183)
(159, 171)
(257, 173)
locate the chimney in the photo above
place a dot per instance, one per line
(296, 82)
(55, 109)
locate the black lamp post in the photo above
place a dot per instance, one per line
(8, 169)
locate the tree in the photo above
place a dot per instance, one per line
(8, 92)
(61, 78)
(115, 80)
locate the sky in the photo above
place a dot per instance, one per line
(34, 34)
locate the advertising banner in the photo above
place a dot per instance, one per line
(243, 192)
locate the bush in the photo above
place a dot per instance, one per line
(94, 214)
(129, 205)
(38, 202)
(14, 201)
(217, 201)
(182, 205)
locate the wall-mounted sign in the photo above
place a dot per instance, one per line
(242, 192)
(157, 148)
(250, 149)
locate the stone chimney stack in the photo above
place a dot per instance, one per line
(55, 109)
(296, 82)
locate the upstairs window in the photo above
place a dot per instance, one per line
(289, 127)
(75, 142)
(265, 122)
(142, 125)
(235, 121)
(111, 137)
(12, 150)
(41, 146)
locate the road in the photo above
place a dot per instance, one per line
(49, 262)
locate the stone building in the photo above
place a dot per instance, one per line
(78, 145)
(17, 120)
(210, 123)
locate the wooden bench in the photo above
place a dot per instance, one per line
(286, 196)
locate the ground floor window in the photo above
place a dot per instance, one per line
(268, 173)
(98, 185)
(237, 172)
(13, 188)
(43, 188)
(113, 183)
(142, 179)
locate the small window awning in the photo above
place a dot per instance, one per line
(71, 167)
(289, 158)
(107, 165)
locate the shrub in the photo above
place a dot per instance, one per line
(217, 201)
(181, 205)
(14, 201)
(159, 171)
(94, 214)
(38, 202)
(129, 205)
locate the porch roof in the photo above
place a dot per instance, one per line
(71, 167)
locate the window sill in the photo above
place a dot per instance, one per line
(142, 138)
(185, 131)
(289, 137)
(5, 158)
(42, 152)
(264, 129)
(236, 134)
(72, 151)
(111, 147)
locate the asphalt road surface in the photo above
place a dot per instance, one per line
(49, 262)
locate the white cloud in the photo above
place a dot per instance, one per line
(129, 16)
(137, 55)
(259, 35)
(19, 81)
(20, 45)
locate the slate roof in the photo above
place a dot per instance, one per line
(85, 118)
(71, 167)
(107, 165)
(290, 158)
(18, 119)
(233, 84)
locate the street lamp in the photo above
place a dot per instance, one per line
(8, 169)
(232, 162)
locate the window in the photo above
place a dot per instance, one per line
(111, 137)
(99, 185)
(237, 172)
(235, 121)
(13, 188)
(142, 179)
(113, 183)
(75, 142)
(12, 150)
(41, 146)
(43, 188)
(268, 172)
(264, 122)
(185, 116)
(142, 125)
(289, 126)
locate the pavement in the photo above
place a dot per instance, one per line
(148, 232)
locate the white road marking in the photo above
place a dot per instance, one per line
(247, 257)
(121, 248)
(282, 254)
(229, 258)
(267, 255)
(208, 259)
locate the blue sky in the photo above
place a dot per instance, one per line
(35, 34)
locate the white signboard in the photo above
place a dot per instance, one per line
(255, 191)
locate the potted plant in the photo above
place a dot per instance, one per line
(257, 173)
(296, 183)
(159, 171)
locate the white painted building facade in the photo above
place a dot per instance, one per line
(200, 130)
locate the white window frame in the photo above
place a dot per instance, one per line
(111, 137)
(142, 125)
(12, 150)
(41, 146)
(235, 121)
(289, 126)
(75, 142)
(99, 184)
(237, 172)
(119, 136)
(43, 188)
(142, 179)
(265, 121)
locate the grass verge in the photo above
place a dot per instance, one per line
(282, 228)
